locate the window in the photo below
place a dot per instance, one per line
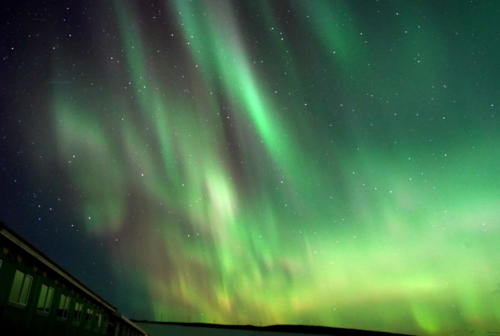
(48, 302)
(78, 310)
(45, 299)
(89, 314)
(63, 306)
(99, 320)
(20, 290)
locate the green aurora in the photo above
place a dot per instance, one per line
(305, 162)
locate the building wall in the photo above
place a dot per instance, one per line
(26, 309)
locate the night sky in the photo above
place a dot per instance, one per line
(330, 163)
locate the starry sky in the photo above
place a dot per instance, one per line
(329, 163)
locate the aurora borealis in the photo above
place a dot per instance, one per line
(329, 163)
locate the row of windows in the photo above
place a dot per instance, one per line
(20, 291)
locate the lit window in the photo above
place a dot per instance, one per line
(89, 314)
(20, 290)
(41, 299)
(48, 302)
(45, 299)
(78, 310)
(63, 306)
